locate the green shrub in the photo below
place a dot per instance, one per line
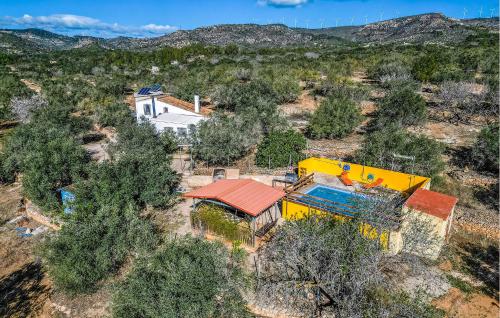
(402, 107)
(47, 154)
(187, 277)
(220, 222)
(280, 147)
(93, 244)
(106, 227)
(334, 118)
(114, 115)
(242, 96)
(485, 151)
(287, 89)
(378, 148)
(222, 139)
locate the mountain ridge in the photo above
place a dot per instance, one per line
(422, 28)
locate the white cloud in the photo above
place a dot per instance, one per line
(283, 3)
(75, 24)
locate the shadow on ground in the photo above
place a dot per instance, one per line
(22, 292)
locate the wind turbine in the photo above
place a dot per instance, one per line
(381, 16)
(366, 19)
(352, 20)
(322, 21)
(481, 12)
(336, 22)
(295, 24)
(307, 24)
(492, 10)
(465, 12)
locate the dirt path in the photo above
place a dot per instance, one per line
(24, 287)
(456, 304)
(32, 85)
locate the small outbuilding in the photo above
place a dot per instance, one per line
(249, 205)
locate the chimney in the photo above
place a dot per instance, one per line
(153, 106)
(197, 104)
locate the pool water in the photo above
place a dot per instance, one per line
(339, 201)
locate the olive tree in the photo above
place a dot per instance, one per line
(379, 147)
(22, 108)
(485, 153)
(402, 107)
(222, 139)
(187, 277)
(334, 118)
(280, 149)
(322, 267)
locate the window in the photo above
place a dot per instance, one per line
(165, 109)
(192, 128)
(182, 132)
(147, 109)
(169, 129)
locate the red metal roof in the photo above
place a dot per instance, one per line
(247, 195)
(433, 203)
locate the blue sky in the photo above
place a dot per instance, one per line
(139, 18)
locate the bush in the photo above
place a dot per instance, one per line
(334, 118)
(106, 227)
(287, 89)
(402, 107)
(378, 148)
(280, 147)
(341, 91)
(187, 277)
(114, 115)
(242, 96)
(485, 151)
(93, 244)
(47, 154)
(222, 139)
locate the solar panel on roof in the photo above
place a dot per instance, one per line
(144, 91)
(155, 87)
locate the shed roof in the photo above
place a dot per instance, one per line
(433, 203)
(247, 195)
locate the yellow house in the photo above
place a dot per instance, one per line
(319, 191)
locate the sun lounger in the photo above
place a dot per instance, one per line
(373, 184)
(345, 179)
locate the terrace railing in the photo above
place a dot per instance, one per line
(364, 212)
(302, 182)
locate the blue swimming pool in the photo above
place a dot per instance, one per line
(334, 199)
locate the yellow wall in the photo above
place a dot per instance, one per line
(292, 210)
(392, 179)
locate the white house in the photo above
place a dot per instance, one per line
(167, 112)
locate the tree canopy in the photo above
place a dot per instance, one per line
(334, 118)
(280, 149)
(187, 277)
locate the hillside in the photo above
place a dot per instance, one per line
(432, 27)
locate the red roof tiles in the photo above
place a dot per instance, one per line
(433, 203)
(247, 195)
(183, 104)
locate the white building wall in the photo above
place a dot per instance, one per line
(160, 125)
(159, 105)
